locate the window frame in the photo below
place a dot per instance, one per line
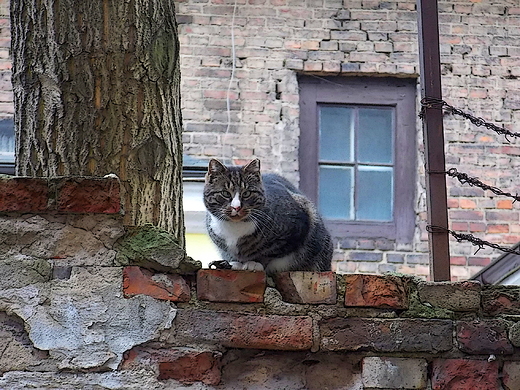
(370, 91)
(7, 166)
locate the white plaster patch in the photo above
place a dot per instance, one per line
(86, 322)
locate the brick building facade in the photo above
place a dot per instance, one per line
(250, 106)
(242, 66)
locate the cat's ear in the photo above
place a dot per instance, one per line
(215, 168)
(252, 167)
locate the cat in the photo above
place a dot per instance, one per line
(262, 222)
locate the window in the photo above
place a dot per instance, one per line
(358, 154)
(6, 146)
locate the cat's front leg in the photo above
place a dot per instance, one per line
(248, 265)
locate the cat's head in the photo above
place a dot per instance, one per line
(232, 193)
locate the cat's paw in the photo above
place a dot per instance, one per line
(253, 266)
(219, 264)
(247, 266)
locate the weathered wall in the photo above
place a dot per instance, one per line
(275, 40)
(86, 303)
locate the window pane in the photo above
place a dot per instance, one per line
(6, 140)
(375, 135)
(375, 194)
(335, 133)
(335, 192)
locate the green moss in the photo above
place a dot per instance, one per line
(151, 247)
(341, 286)
(417, 309)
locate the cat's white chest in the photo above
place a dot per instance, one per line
(231, 232)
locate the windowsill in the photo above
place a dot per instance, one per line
(357, 229)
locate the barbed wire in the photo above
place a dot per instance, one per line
(440, 104)
(471, 238)
(474, 182)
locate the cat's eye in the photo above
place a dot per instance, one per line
(246, 194)
(226, 194)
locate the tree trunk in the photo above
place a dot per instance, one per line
(97, 91)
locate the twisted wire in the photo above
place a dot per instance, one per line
(440, 104)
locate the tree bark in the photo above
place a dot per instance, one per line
(97, 91)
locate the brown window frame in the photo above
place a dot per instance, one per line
(371, 91)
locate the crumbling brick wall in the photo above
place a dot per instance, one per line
(86, 302)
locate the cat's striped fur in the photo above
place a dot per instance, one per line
(263, 222)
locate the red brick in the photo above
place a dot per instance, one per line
(467, 203)
(505, 215)
(375, 291)
(483, 337)
(219, 285)
(185, 365)
(466, 215)
(24, 194)
(192, 368)
(505, 204)
(498, 229)
(457, 374)
(168, 287)
(460, 226)
(235, 330)
(85, 195)
(453, 203)
(477, 227)
(501, 300)
(458, 260)
(386, 335)
(307, 287)
(479, 261)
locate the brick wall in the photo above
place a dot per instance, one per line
(6, 89)
(91, 303)
(276, 40)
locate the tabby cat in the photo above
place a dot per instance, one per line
(262, 222)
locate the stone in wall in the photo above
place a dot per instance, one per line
(153, 248)
(16, 350)
(272, 370)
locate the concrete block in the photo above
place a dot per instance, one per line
(394, 373)
(462, 296)
(511, 375)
